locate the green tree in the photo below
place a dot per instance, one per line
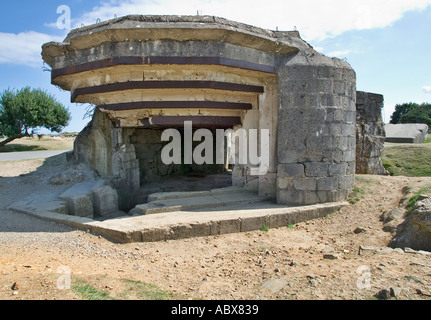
(23, 111)
(421, 114)
(400, 110)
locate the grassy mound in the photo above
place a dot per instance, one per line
(408, 160)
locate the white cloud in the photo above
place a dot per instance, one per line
(339, 54)
(426, 89)
(23, 48)
(316, 20)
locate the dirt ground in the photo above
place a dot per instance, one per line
(315, 260)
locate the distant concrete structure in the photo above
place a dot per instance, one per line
(406, 133)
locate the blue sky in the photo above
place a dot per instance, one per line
(387, 42)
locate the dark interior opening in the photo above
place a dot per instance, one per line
(156, 176)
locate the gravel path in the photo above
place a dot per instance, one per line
(21, 229)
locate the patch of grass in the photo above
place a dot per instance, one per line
(291, 226)
(408, 160)
(265, 229)
(412, 200)
(88, 292)
(356, 195)
(131, 290)
(21, 147)
(36, 144)
(146, 291)
(406, 191)
(388, 166)
(428, 140)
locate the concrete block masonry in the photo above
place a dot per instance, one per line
(90, 199)
(370, 134)
(218, 74)
(78, 200)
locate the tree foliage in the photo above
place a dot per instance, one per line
(23, 111)
(402, 109)
(421, 114)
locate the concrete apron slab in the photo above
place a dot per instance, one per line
(196, 200)
(193, 223)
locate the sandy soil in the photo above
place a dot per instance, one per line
(315, 260)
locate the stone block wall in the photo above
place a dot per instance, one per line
(107, 150)
(370, 133)
(305, 100)
(316, 136)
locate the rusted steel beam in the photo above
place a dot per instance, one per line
(134, 85)
(177, 105)
(213, 122)
(94, 65)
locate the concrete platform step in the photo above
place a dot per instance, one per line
(189, 224)
(40, 203)
(188, 183)
(179, 201)
(189, 194)
(89, 199)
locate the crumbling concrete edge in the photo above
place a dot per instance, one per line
(71, 221)
(215, 227)
(176, 231)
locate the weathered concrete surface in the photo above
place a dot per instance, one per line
(200, 200)
(307, 101)
(188, 224)
(187, 28)
(89, 201)
(406, 133)
(370, 133)
(179, 195)
(316, 129)
(107, 151)
(40, 204)
(105, 200)
(72, 175)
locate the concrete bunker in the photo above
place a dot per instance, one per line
(146, 74)
(414, 133)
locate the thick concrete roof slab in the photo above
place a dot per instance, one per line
(178, 28)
